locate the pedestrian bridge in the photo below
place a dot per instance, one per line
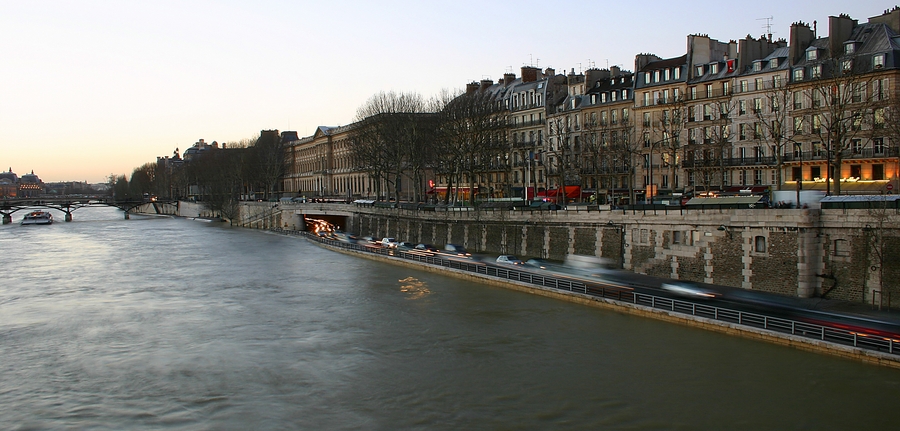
(68, 205)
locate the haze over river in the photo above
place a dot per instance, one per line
(159, 323)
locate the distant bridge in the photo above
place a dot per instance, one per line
(68, 205)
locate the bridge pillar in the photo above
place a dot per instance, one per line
(7, 218)
(68, 216)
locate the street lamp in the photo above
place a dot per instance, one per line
(800, 179)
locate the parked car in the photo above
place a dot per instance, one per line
(402, 245)
(509, 259)
(389, 242)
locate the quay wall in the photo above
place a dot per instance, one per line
(839, 254)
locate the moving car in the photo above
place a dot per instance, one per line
(427, 247)
(456, 249)
(691, 290)
(509, 259)
(389, 242)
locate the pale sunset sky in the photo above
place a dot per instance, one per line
(90, 88)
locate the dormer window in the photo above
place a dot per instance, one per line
(812, 54)
(878, 61)
(714, 68)
(847, 65)
(677, 74)
(757, 66)
(699, 70)
(773, 63)
(646, 77)
(849, 47)
(798, 74)
(667, 74)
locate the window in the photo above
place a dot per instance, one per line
(726, 87)
(646, 77)
(742, 107)
(624, 114)
(849, 47)
(677, 73)
(878, 146)
(798, 74)
(776, 81)
(757, 105)
(699, 70)
(841, 247)
(707, 111)
(798, 125)
(798, 100)
(759, 244)
(709, 90)
(614, 117)
(625, 94)
(847, 65)
(714, 68)
(646, 119)
(773, 63)
(816, 71)
(667, 74)
(744, 86)
(692, 113)
(757, 65)
(655, 76)
(742, 131)
(612, 96)
(812, 54)
(878, 61)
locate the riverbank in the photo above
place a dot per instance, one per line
(788, 340)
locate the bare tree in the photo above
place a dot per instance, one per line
(668, 129)
(388, 137)
(846, 105)
(775, 123)
(471, 136)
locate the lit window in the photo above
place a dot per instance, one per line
(816, 71)
(798, 74)
(677, 73)
(878, 61)
(812, 54)
(773, 63)
(757, 66)
(847, 65)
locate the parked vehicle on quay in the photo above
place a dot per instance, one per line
(389, 242)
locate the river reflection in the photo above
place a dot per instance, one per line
(159, 323)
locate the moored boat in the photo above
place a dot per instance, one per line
(37, 217)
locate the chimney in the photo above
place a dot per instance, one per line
(891, 18)
(592, 76)
(471, 87)
(529, 74)
(508, 78)
(801, 37)
(615, 71)
(549, 72)
(486, 83)
(839, 30)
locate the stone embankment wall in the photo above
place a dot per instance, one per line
(840, 254)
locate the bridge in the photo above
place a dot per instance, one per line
(68, 205)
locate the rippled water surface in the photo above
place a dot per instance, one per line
(160, 323)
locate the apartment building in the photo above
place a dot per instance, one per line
(752, 114)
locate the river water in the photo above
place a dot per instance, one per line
(161, 323)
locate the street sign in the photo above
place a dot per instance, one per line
(889, 186)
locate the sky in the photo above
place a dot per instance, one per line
(90, 88)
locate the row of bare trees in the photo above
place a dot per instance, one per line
(402, 135)
(217, 177)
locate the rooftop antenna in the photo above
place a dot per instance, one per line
(768, 26)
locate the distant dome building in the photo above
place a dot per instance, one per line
(30, 186)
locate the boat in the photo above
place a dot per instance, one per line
(37, 217)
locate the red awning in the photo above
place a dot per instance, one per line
(572, 192)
